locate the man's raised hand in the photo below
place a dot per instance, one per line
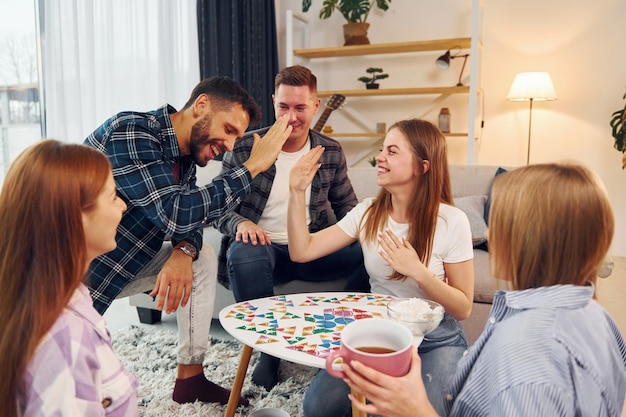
(265, 151)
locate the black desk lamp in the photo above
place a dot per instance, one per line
(443, 62)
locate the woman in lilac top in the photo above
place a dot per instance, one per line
(58, 211)
(548, 348)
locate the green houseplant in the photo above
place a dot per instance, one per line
(618, 123)
(376, 74)
(355, 12)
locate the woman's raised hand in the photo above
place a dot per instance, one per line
(303, 172)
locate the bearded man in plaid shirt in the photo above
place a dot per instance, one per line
(159, 240)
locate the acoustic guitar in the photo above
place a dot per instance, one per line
(334, 102)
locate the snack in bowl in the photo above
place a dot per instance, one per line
(419, 315)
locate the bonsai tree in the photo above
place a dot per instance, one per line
(618, 123)
(377, 74)
(352, 10)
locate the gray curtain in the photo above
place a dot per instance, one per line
(237, 38)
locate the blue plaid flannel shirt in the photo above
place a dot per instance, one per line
(142, 149)
(331, 191)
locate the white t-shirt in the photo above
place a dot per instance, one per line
(274, 217)
(452, 244)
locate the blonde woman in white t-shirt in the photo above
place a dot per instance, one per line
(415, 244)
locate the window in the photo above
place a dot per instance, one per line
(20, 110)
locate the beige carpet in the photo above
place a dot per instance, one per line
(150, 354)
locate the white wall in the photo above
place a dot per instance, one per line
(579, 43)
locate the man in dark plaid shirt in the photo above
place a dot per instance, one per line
(254, 252)
(159, 240)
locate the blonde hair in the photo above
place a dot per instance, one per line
(432, 187)
(549, 224)
(42, 253)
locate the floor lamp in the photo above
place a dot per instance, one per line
(531, 86)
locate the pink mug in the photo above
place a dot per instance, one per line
(381, 344)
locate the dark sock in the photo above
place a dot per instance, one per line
(199, 388)
(266, 371)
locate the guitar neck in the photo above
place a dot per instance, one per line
(322, 120)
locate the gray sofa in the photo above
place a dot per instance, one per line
(470, 186)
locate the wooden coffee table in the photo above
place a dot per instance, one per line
(301, 328)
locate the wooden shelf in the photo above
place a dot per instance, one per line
(384, 48)
(355, 135)
(396, 91)
(378, 135)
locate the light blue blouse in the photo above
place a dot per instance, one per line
(550, 351)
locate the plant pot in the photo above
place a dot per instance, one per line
(372, 86)
(355, 33)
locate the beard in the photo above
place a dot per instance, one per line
(199, 140)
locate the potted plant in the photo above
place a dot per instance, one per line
(355, 12)
(377, 74)
(618, 123)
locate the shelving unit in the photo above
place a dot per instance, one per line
(473, 43)
(355, 134)
(396, 91)
(383, 48)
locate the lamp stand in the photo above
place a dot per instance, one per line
(530, 121)
(460, 84)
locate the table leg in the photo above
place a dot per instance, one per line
(235, 393)
(355, 411)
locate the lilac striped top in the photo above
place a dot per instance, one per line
(75, 372)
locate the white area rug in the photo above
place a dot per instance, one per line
(150, 354)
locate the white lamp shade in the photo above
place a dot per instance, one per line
(532, 85)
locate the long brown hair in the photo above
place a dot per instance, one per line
(549, 224)
(42, 251)
(431, 188)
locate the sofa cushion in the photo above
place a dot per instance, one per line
(474, 207)
(471, 179)
(499, 171)
(363, 181)
(484, 284)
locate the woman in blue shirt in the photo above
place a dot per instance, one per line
(548, 348)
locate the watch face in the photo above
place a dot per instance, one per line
(189, 249)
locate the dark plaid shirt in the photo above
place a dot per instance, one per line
(142, 149)
(331, 190)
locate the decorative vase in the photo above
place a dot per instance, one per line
(372, 86)
(355, 33)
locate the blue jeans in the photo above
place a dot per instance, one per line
(255, 269)
(440, 352)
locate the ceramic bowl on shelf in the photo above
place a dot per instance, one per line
(421, 316)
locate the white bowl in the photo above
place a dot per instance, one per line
(421, 316)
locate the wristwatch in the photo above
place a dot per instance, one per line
(189, 249)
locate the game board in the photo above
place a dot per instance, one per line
(301, 323)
